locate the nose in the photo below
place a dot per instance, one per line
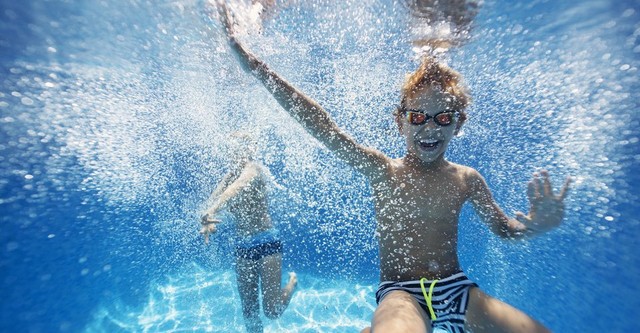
(430, 125)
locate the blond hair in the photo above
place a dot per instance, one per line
(431, 73)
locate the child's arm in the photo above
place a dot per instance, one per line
(208, 220)
(545, 213)
(222, 185)
(247, 175)
(305, 110)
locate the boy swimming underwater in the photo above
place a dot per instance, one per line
(418, 199)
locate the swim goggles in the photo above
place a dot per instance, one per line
(419, 117)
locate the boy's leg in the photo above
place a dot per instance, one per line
(247, 274)
(399, 312)
(275, 299)
(488, 314)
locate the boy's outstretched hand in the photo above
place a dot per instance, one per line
(208, 226)
(227, 20)
(246, 60)
(546, 209)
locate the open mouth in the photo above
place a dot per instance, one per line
(428, 145)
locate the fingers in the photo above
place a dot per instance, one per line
(227, 14)
(208, 220)
(224, 15)
(533, 189)
(565, 187)
(205, 232)
(539, 185)
(209, 228)
(228, 19)
(546, 184)
(542, 186)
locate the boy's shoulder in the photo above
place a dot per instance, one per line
(462, 167)
(464, 170)
(249, 171)
(254, 165)
(260, 172)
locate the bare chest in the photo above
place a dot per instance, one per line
(434, 196)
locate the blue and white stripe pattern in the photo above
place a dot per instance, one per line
(449, 299)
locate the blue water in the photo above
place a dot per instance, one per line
(114, 116)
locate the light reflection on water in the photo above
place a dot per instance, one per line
(204, 300)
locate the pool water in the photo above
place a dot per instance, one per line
(205, 300)
(114, 117)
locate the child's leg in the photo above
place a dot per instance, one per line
(275, 299)
(488, 314)
(247, 274)
(399, 312)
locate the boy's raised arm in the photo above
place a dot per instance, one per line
(545, 213)
(305, 110)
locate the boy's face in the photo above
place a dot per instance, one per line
(427, 141)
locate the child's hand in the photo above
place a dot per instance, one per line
(208, 226)
(229, 23)
(246, 60)
(546, 209)
(226, 17)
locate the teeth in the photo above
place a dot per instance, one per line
(428, 142)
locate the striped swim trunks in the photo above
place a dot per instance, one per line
(445, 300)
